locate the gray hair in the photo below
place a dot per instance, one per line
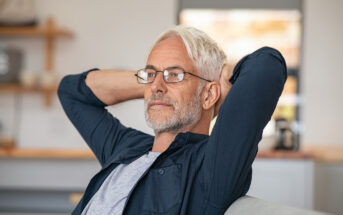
(205, 53)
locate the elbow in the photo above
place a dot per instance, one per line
(63, 87)
(265, 62)
(279, 63)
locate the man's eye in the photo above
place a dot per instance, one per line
(151, 74)
(173, 74)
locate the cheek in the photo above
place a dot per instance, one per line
(187, 95)
(181, 96)
(180, 102)
(147, 93)
(175, 95)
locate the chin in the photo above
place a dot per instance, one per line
(158, 115)
(158, 120)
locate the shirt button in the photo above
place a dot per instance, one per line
(161, 171)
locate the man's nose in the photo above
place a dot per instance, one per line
(158, 85)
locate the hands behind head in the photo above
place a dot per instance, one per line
(225, 86)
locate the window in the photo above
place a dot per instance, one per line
(242, 31)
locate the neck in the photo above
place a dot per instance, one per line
(163, 140)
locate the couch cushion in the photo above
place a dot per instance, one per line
(248, 205)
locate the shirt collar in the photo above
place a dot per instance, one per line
(182, 139)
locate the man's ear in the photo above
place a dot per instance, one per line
(210, 95)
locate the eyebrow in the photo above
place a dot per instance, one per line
(149, 66)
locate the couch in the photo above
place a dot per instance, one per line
(248, 205)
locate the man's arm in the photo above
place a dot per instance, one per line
(84, 97)
(257, 83)
(113, 86)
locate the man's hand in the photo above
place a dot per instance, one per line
(225, 86)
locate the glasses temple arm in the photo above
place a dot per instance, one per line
(198, 76)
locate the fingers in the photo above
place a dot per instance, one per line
(225, 86)
(226, 73)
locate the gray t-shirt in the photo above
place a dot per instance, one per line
(112, 195)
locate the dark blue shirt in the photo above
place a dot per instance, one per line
(197, 174)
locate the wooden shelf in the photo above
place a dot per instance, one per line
(46, 153)
(47, 92)
(325, 153)
(7, 142)
(48, 32)
(18, 88)
(283, 154)
(43, 31)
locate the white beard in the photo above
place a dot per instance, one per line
(181, 118)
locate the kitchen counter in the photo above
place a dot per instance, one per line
(46, 153)
(330, 154)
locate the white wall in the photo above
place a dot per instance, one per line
(107, 34)
(285, 181)
(322, 73)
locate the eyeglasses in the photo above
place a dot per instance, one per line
(170, 75)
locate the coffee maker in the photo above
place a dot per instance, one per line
(285, 136)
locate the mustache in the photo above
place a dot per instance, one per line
(159, 97)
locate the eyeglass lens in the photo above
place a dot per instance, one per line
(171, 75)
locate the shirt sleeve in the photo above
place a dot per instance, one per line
(100, 130)
(258, 82)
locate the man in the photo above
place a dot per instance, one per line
(181, 170)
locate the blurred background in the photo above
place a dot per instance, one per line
(44, 163)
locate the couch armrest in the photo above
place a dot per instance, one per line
(248, 205)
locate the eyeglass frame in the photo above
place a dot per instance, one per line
(166, 69)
